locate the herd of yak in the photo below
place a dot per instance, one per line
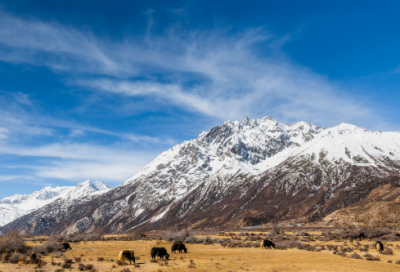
(161, 252)
(129, 255)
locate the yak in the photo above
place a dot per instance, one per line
(379, 246)
(33, 258)
(65, 246)
(127, 255)
(161, 252)
(178, 246)
(267, 244)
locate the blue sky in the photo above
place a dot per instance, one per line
(97, 89)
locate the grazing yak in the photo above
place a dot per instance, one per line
(127, 255)
(267, 244)
(65, 246)
(379, 246)
(178, 246)
(33, 258)
(160, 252)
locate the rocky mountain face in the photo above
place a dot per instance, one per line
(380, 208)
(17, 205)
(241, 173)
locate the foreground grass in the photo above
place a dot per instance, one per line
(210, 258)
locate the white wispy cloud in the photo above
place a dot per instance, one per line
(209, 72)
(76, 162)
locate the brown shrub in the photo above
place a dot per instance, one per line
(78, 259)
(120, 263)
(66, 265)
(355, 256)
(370, 257)
(387, 251)
(398, 262)
(13, 242)
(100, 259)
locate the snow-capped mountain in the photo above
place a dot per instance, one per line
(240, 173)
(17, 205)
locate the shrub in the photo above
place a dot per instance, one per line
(52, 245)
(78, 259)
(120, 263)
(387, 251)
(13, 242)
(66, 265)
(16, 257)
(176, 235)
(81, 267)
(370, 257)
(355, 256)
(100, 259)
(59, 270)
(126, 270)
(398, 262)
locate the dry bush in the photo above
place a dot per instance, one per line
(302, 233)
(66, 265)
(126, 270)
(332, 247)
(153, 261)
(364, 248)
(12, 242)
(40, 263)
(17, 257)
(59, 270)
(121, 263)
(398, 262)
(305, 246)
(387, 251)
(176, 235)
(100, 259)
(81, 267)
(347, 249)
(355, 256)
(370, 257)
(341, 253)
(55, 263)
(389, 261)
(78, 259)
(52, 245)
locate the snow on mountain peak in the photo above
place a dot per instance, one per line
(17, 205)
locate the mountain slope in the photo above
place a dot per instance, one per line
(249, 172)
(17, 205)
(380, 208)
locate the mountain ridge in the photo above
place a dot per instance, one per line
(17, 205)
(239, 173)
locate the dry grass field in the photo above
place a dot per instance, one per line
(209, 258)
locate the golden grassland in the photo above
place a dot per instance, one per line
(212, 258)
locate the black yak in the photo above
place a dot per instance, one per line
(379, 246)
(33, 258)
(127, 255)
(178, 246)
(66, 246)
(267, 244)
(160, 252)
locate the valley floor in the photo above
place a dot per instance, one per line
(211, 258)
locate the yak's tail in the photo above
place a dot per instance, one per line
(262, 244)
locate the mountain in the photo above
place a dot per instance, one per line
(380, 208)
(241, 173)
(17, 205)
